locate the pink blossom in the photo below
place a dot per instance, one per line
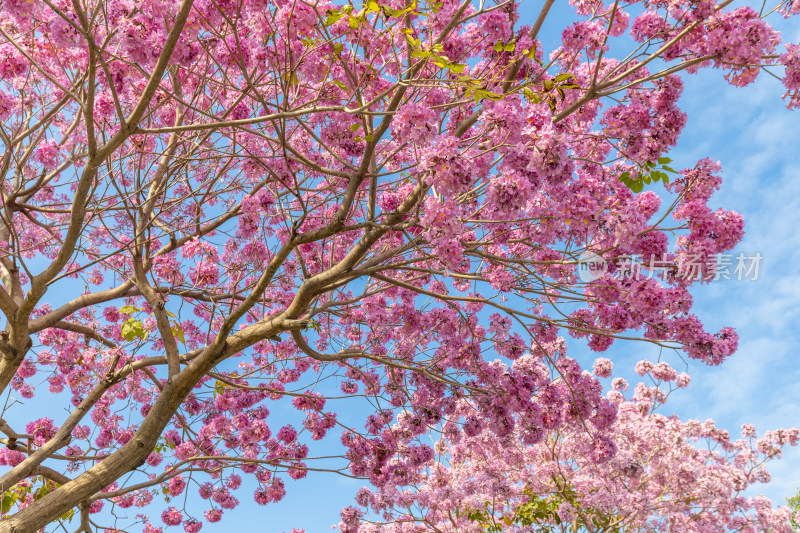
(192, 526)
(213, 515)
(48, 155)
(644, 367)
(663, 371)
(287, 434)
(171, 516)
(603, 367)
(176, 485)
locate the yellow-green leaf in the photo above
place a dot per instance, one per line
(333, 16)
(6, 504)
(531, 96)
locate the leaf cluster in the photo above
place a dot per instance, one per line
(649, 172)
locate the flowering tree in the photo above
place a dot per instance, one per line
(647, 474)
(794, 507)
(212, 206)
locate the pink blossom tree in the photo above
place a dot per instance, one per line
(210, 207)
(645, 473)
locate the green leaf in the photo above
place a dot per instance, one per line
(489, 94)
(132, 329)
(564, 77)
(531, 96)
(409, 9)
(664, 160)
(624, 175)
(510, 47)
(355, 127)
(458, 68)
(128, 309)
(353, 21)
(41, 493)
(6, 504)
(669, 169)
(369, 138)
(498, 46)
(337, 48)
(177, 330)
(333, 16)
(127, 332)
(412, 41)
(475, 516)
